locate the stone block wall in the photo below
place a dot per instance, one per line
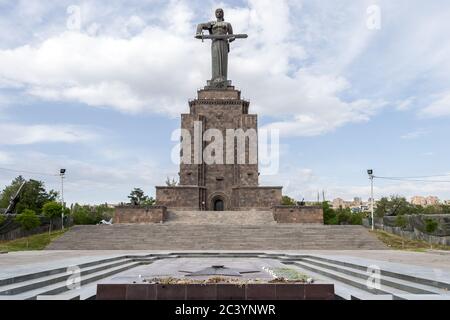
(137, 214)
(260, 198)
(418, 222)
(415, 229)
(298, 214)
(179, 197)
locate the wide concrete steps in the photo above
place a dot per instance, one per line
(367, 282)
(60, 282)
(221, 217)
(179, 236)
(351, 280)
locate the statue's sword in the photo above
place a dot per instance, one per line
(221, 37)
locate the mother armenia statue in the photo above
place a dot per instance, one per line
(221, 34)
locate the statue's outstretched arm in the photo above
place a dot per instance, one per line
(203, 26)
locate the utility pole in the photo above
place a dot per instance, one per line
(370, 172)
(62, 172)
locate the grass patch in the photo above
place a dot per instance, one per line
(35, 242)
(398, 243)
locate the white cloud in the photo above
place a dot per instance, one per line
(90, 181)
(5, 158)
(305, 183)
(415, 134)
(404, 105)
(158, 67)
(17, 134)
(439, 107)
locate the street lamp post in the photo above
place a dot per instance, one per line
(62, 172)
(370, 172)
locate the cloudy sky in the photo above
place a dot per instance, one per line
(101, 95)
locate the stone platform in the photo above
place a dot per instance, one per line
(403, 275)
(160, 214)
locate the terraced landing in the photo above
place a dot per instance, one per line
(183, 236)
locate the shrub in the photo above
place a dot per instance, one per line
(52, 210)
(431, 225)
(2, 219)
(344, 217)
(287, 201)
(28, 220)
(356, 219)
(401, 221)
(87, 215)
(329, 215)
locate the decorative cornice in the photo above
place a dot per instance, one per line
(257, 187)
(296, 207)
(131, 206)
(245, 103)
(181, 187)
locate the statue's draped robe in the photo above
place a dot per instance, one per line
(219, 48)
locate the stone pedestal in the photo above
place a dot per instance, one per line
(235, 184)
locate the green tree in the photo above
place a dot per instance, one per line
(438, 209)
(52, 210)
(382, 207)
(446, 209)
(80, 215)
(9, 191)
(344, 216)
(86, 215)
(138, 197)
(28, 220)
(150, 201)
(288, 201)
(329, 215)
(33, 195)
(2, 219)
(357, 218)
(394, 206)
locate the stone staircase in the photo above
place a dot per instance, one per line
(217, 231)
(357, 282)
(56, 282)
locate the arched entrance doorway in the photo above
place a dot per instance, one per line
(218, 204)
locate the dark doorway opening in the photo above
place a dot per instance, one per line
(218, 205)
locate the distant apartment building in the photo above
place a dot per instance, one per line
(357, 201)
(339, 203)
(419, 201)
(357, 205)
(425, 201)
(432, 201)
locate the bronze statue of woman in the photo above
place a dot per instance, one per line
(221, 35)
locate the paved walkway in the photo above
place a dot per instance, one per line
(16, 263)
